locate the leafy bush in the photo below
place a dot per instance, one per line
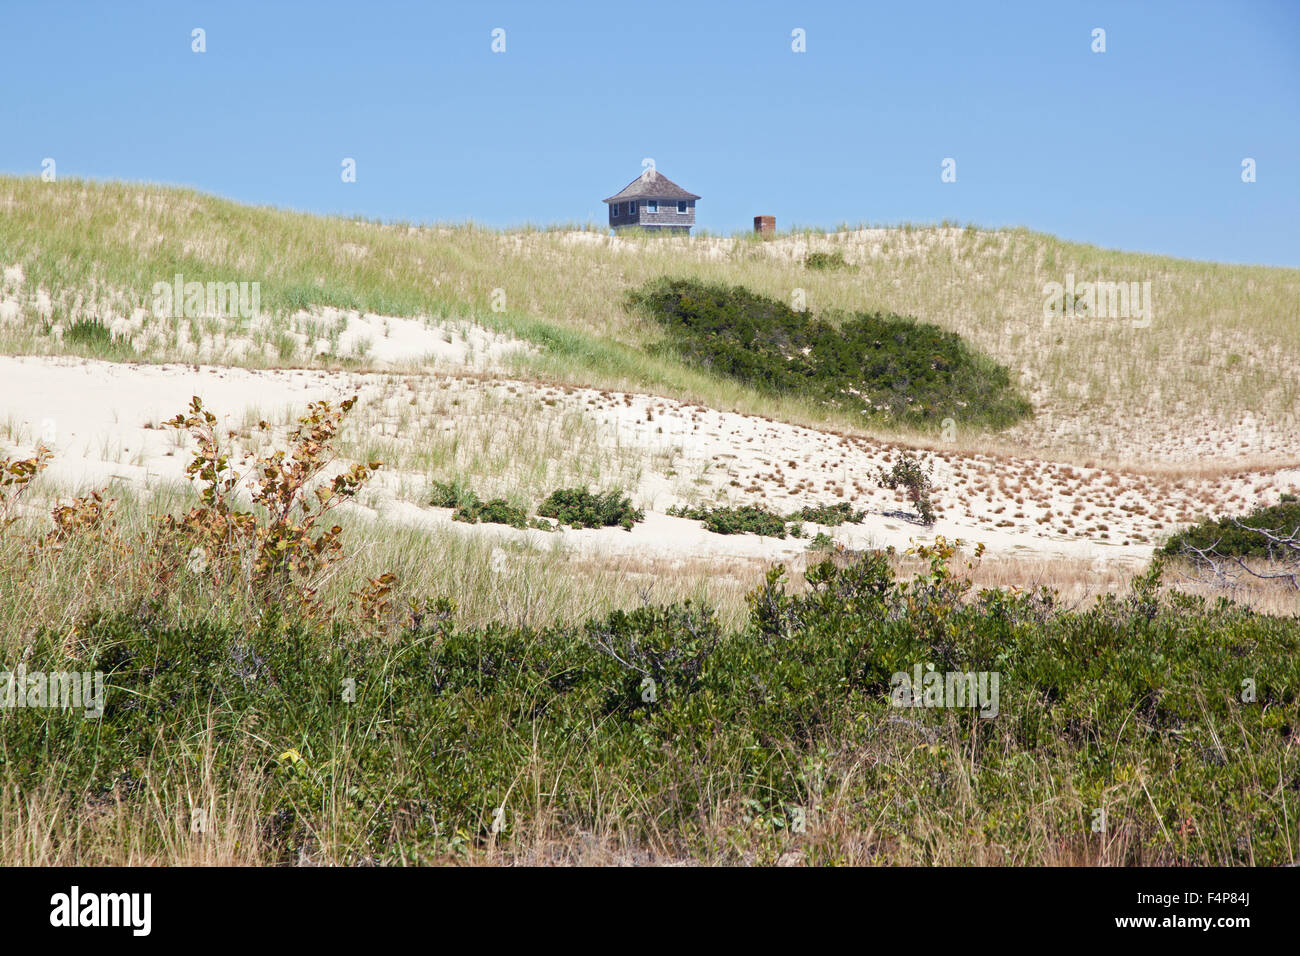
(1229, 539)
(16, 477)
(746, 519)
(579, 508)
(833, 515)
(908, 474)
(752, 519)
(472, 509)
(496, 511)
(882, 366)
(661, 650)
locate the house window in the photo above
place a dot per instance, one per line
(681, 206)
(652, 205)
(631, 209)
(615, 208)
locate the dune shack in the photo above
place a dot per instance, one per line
(654, 202)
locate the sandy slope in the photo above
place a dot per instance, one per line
(102, 421)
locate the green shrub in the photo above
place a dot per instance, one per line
(882, 366)
(661, 650)
(833, 515)
(821, 542)
(746, 519)
(496, 511)
(579, 508)
(1229, 540)
(472, 509)
(652, 719)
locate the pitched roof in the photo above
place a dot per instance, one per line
(651, 184)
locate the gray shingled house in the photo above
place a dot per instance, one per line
(653, 201)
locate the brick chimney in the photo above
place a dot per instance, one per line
(765, 225)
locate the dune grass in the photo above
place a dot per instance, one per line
(1222, 344)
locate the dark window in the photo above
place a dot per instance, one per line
(652, 205)
(681, 206)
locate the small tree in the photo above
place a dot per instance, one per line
(908, 474)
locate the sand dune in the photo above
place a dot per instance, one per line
(102, 421)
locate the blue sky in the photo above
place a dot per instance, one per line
(1139, 147)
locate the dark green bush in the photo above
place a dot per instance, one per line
(496, 511)
(881, 366)
(1228, 539)
(746, 519)
(579, 508)
(833, 515)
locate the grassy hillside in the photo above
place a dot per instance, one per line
(1222, 344)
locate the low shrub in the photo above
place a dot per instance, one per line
(1229, 539)
(656, 723)
(821, 542)
(496, 511)
(878, 365)
(746, 519)
(580, 508)
(832, 515)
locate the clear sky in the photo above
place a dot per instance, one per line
(1139, 147)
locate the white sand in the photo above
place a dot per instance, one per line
(385, 340)
(101, 420)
